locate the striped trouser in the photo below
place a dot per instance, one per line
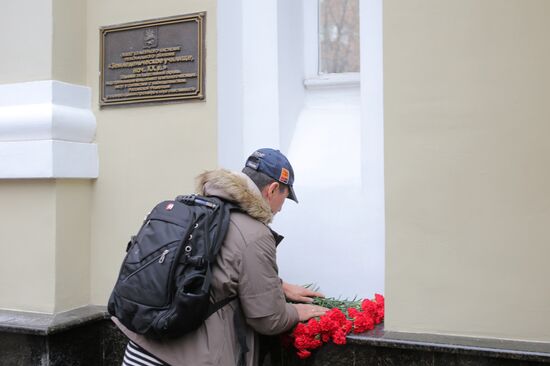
(137, 356)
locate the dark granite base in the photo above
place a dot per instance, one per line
(87, 337)
(353, 354)
(113, 344)
(395, 349)
(74, 338)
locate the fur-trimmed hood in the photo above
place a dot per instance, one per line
(236, 187)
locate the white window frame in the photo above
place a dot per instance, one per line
(314, 80)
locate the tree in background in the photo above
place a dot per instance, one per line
(338, 36)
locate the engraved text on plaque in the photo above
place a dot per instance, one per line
(155, 60)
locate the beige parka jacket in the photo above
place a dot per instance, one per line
(246, 267)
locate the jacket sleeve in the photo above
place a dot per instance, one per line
(260, 292)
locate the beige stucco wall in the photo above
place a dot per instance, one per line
(43, 40)
(69, 41)
(45, 222)
(44, 242)
(27, 245)
(26, 27)
(148, 152)
(63, 240)
(72, 197)
(466, 160)
(72, 243)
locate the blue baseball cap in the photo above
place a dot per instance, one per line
(274, 164)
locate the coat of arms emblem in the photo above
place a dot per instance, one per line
(150, 39)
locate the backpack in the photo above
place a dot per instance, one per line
(163, 286)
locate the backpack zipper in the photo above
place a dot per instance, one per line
(160, 258)
(163, 256)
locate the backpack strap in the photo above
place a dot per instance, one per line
(212, 308)
(238, 320)
(240, 332)
(240, 326)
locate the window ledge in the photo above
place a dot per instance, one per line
(333, 81)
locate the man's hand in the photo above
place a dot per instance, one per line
(297, 293)
(307, 311)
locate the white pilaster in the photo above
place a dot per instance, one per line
(260, 75)
(372, 136)
(230, 86)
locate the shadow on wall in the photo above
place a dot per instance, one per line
(328, 241)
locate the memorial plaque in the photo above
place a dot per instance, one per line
(152, 61)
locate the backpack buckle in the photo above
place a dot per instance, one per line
(197, 261)
(193, 199)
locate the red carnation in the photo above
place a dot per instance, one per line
(368, 306)
(362, 323)
(339, 337)
(343, 317)
(303, 353)
(313, 327)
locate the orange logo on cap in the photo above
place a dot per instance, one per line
(284, 176)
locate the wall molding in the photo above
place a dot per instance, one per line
(47, 130)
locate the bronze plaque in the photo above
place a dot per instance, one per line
(153, 60)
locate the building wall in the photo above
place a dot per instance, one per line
(147, 153)
(44, 236)
(27, 41)
(466, 162)
(63, 239)
(466, 157)
(69, 41)
(27, 275)
(72, 249)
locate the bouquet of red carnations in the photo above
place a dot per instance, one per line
(344, 317)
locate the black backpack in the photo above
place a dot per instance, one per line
(163, 286)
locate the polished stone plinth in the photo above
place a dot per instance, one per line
(379, 347)
(87, 337)
(80, 337)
